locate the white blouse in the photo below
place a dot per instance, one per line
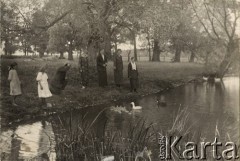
(134, 66)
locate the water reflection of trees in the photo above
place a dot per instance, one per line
(84, 136)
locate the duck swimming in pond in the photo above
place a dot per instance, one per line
(136, 107)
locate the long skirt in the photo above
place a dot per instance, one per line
(118, 77)
(134, 83)
(15, 88)
(56, 87)
(102, 78)
(45, 92)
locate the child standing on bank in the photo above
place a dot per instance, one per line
(43, 87)
(15, 84)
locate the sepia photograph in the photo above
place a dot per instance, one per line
(119, 80)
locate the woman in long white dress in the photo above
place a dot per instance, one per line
(43, 87)
(15, 84)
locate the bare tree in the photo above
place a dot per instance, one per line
(220, 23)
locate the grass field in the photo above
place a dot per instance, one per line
(153, 77)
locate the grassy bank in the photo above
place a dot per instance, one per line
(153, 76)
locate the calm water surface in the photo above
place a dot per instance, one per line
(210, 107)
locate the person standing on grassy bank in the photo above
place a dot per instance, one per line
(102, 68)
(83, 68)
(15, 84)
(133, 75)
(59, 81)
(118, 68)
(43, 88)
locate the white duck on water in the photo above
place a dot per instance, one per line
(136, 107)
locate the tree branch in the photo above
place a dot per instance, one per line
(24, 18)
(124, 24)
(235, 21)
(45, 27)
(199, 19)
(211, 21)
(215, 16)
(225, 19)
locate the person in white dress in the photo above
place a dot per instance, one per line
(15, 84)
(43, 87)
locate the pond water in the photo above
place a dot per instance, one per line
(211, 108)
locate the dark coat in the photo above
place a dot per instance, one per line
(118, 71)
(102, 70)
(133, 77)
(132, 74)
(59, 81)
(84, 71)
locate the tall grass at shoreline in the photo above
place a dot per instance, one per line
(79, 141)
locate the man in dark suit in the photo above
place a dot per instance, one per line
(133, 75)
(101, 68)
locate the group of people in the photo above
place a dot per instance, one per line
(59, 82)
(118, 70)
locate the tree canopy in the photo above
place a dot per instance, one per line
(60, 26)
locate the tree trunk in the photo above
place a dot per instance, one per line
(129, 55)
(25, 48)
(135, 46)
(192, 57)
(41, 54)
(108, 46)
(115, 46)
(225, 64)
(70, 55)
(156, 51)
(70, 51)
(6, 43)
(149, 47)
(177, 55)
(5, 51)
(92, 49)
(61, 55)
(6, 47)
(115, 49)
